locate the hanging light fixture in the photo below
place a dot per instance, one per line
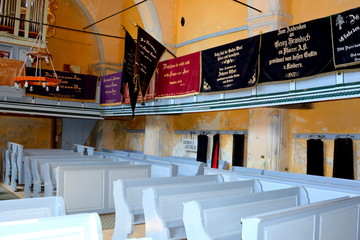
(38, 54)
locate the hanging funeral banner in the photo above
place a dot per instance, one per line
(230, 66)
(10, 68)
(128, 81)
(73, 86)
(150, 94)
(346, 37)
(148, 53)
(296, 51)
(110, 89)
(179, 76)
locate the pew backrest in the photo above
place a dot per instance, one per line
(317, 191)
(128, 198)
(29, 208)
(332, 219)
(86, 226)
(50, 171)
(158, 168)
(86, 188)
(163, 206)
(220, 217)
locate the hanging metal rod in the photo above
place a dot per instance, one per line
(66, 28)
(114, 14)
(247, 5)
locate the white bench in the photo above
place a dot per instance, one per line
(219, 218)
(128, 199)
(247, 170)
(186, 167)
(50, 172)
(120, 153)
(31, 167)
(86, 226)
(90, 188)
(163, 206)
(330, 220)
(317, 191)
(221, 165)
(158, 168)
(84, 150)
(29, 208)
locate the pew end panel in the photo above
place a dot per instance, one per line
(128, 198)
(86, 226)
(328, 220)
(90, 188)
(29, 208)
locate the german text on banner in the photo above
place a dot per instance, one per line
(179, 76)
(230, 66)
(110, 89)
(128, 81)
(296, 51)
(346, 37)
(73, 86)
(148, 53)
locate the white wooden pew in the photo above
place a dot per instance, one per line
(219, 218)
(18, 158)
(317, 191)
(21, 209)
(90, 188)
(163, 206)
(128, 199)
(186, 167)
(84, 150)
(86, 226)
(329, 220)
(222, 164)
(120, 153)
(158, 168)
(32, 168)
(50, 180)
(299, 176)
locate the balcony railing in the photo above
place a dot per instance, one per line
(22, 17)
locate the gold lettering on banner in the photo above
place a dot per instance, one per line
(181, 71)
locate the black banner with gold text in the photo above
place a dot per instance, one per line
(230, 66)
(346, 37)
(296, 51)
(73, 86)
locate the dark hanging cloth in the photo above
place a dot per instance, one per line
(238, 150)
(128, 71)
(315, 157)
(343, 158)
(215, 151)
(202, 148)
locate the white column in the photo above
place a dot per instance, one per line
(274, 15)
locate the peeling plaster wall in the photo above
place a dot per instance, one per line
(32, 132)
(324, 117)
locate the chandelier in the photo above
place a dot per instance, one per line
(38, 54)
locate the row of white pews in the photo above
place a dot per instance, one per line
(128, 198)
(220, 217)
(179, 166)
(163, 206)
(318, 190)
(329, 220)
(217, 210)
(45, 218)
(33, 169)
(13, 161)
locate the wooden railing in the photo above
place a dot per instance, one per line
(22, 17)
